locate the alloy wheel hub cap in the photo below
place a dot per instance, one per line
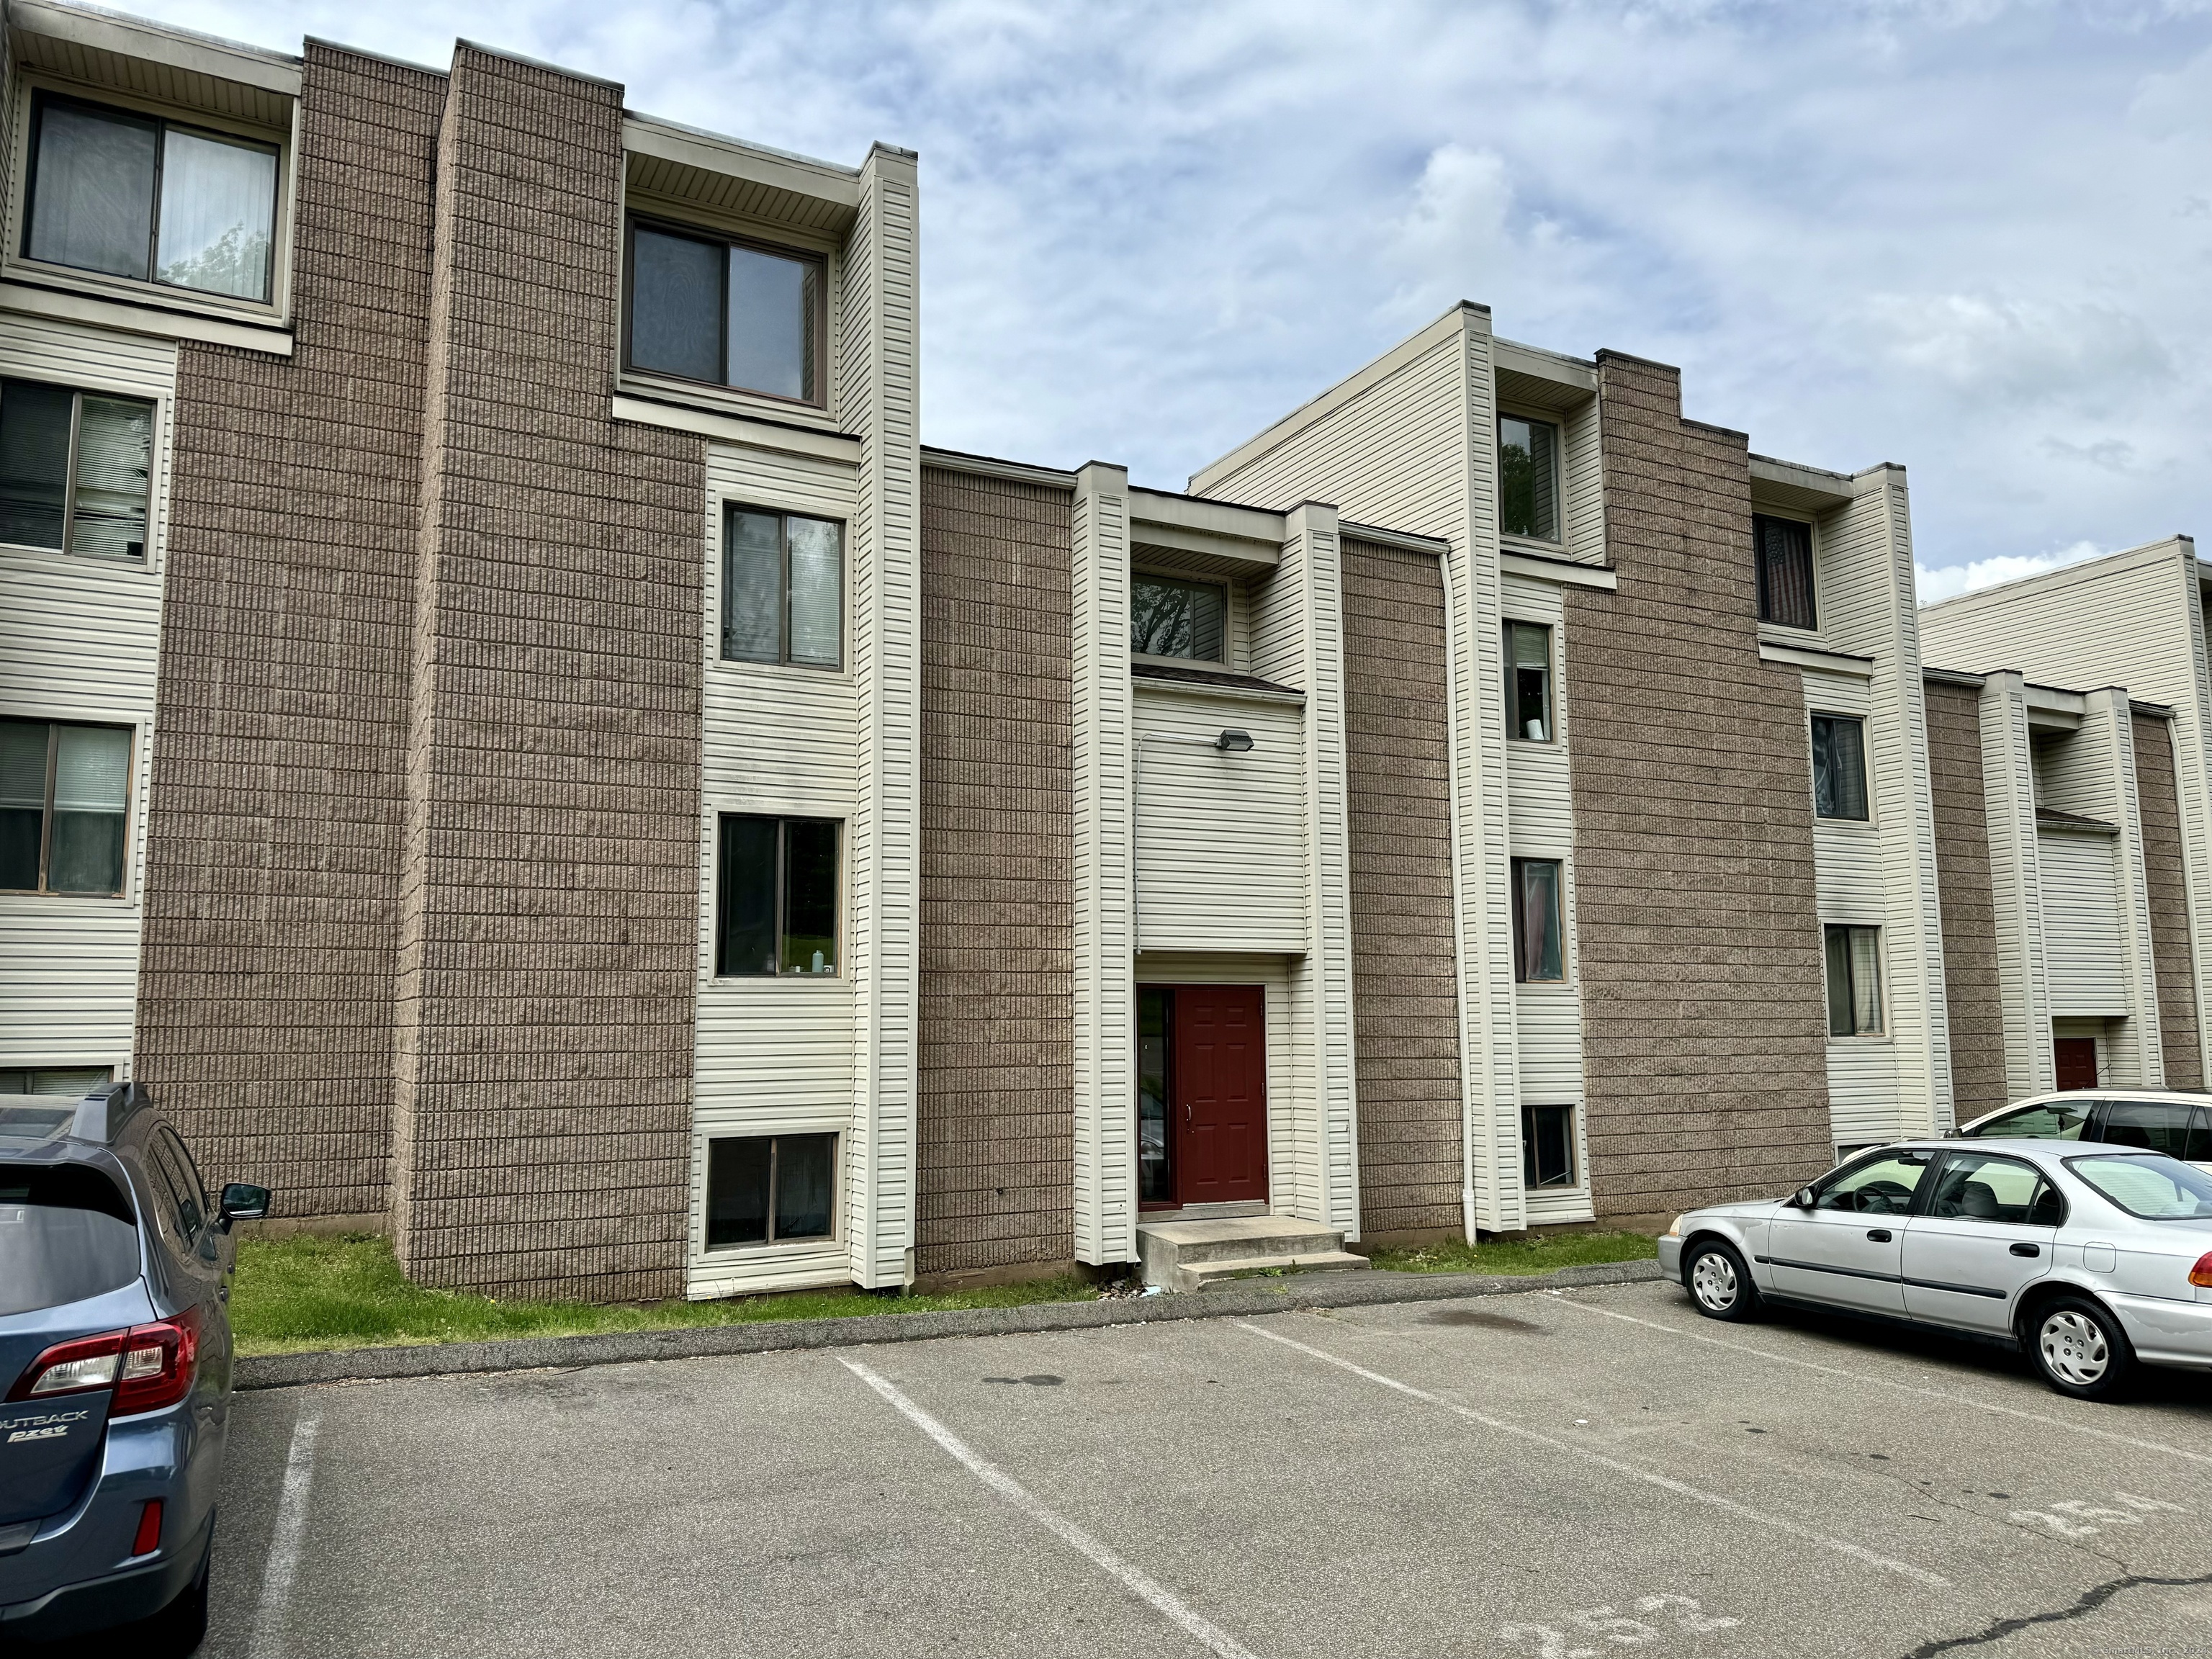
(1714, 1280)
(2075, 1348)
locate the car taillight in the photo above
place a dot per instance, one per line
(2200, 1274)
(149, 1366)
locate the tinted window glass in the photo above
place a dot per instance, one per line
(802, 1185)
(2199, 1149)
(1528, 479)
(771, 323)
(2155, 1189)
(676, 305)
(2059, 1120)
(737, 1191)
(1979, 1186)
(34, 450)
(91, 189)
(2155, 1125)
(65, 1234)
(810, 896)
(746, 940)
(1172, 618)
(1883, 1186)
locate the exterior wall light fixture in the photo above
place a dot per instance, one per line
(1233, 742)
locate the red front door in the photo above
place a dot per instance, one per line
(1220, 1094)
(2077, 1061)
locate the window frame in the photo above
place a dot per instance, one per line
(122, 890)
(1866, 777)
(2043, 1181)
(812, 1241)
(1575, 1180)
(1515, 729)
(1812, 625)
(667, 225)
(1223, 585)
(1514, 866)
(23, 138)
(733, 505)
(77, 395)
(1558, 539)
(1881, 1032)
(783, 821)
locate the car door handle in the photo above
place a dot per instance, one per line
(1880, 1235)
(2024, 1249)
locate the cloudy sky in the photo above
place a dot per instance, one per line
(1973, 237)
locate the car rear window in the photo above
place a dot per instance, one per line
(66, 1233)
(2156, 1189)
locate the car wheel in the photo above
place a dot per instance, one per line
(1718, 1282)
(2079, 1347)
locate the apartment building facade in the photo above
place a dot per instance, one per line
(512, 738)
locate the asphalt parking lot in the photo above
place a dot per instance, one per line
(1560, 1475)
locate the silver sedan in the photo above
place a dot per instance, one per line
(2093, 1259)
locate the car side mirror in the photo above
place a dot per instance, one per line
(241, 1202)
(1803, 1198)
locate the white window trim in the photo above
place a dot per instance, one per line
(1872, 821)
(1555, 419)
(705, 1255)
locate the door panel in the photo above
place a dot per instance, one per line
(1985, 1235)
(1220, 1087)
(1848, 1248)
(2076, 1061)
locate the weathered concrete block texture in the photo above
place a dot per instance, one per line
(273, 833)
(996, 1133)
(547, 946)
(2157, 800)
(1397, 708)
(1704, 1042)
(1971, 993)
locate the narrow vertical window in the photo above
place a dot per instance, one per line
(1854, 981)
(1537, 956)
(1528, 479)
(1155, 1172)
(76, 469)
(1547, 1146)
(727, 312)
(1839, 784)
(1170, 618)
(1783, 550)
(64, 800)
(776, 902)
(782, 589)
(1528, 681)
(770, 1189)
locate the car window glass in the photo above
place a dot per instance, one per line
(1884, 1186)
(66, 1233)
(2055, 1120)
(1977, 1187)
(2199, 1149)
(2155, 1189)
(2154, 1126)
(192, 1188)
(165, 1195)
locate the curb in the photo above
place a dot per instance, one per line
(1335, 1290)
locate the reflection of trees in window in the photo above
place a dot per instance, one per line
(1172, 619)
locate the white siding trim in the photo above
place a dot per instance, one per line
(2016, 885)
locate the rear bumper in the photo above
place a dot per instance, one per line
(100, 1604)
(2165, 1333)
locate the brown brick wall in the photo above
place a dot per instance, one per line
(2166, 877)
(1967, 904)
(1699, 948)
(1405, 1000)
(996, 1131)
(273, 833)
(550, 873)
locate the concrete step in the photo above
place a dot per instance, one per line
(1215, 1275)
(1172, 1250)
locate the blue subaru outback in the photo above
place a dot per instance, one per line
(115, 1354)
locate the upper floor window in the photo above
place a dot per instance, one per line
(1528, 681)
(132, 194)
(1528, 479)
(1168, 617)
(75, 469)
(776, 909)
(782, 588)
(1538, 957)
(730, 312)
(63, 793)
(1839, 783)
(1785, 549)
(1854, 981)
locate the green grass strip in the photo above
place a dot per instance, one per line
(1539, 1253)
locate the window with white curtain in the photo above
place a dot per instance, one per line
(65, 795)
(1854, 981)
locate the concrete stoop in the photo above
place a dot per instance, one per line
(1197, 1255)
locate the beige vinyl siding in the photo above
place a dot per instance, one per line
(770, 1055)
(1584, 481)
(1220, 838)
(2016, 885)
(1547, 1019)
(2081, 927)
(80, 638)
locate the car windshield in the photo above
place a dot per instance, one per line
(2154, 1187)
(65, 1234)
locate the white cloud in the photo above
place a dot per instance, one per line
(1951, 580)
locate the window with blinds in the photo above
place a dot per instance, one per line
(76, 469)
(65, 795)
(1785, 549)
(782, 589)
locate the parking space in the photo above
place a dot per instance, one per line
(1554, 1474)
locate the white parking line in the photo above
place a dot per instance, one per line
(1886, 1382)
(271, 1615)
(1743, 1511)
(1156, 1595)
